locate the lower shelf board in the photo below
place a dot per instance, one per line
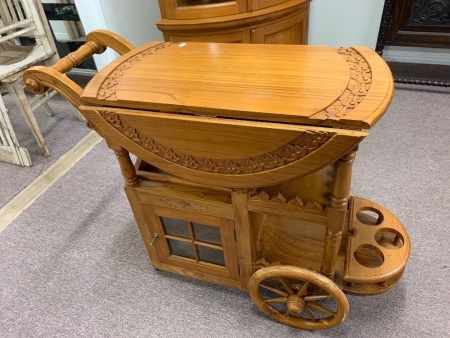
(380, 247)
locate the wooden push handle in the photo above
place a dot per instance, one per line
(74, 59)
(96, 43)
(39, 79)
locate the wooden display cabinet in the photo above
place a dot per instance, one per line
(240, 21)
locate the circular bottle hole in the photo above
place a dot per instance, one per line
(369, 256)
(389, 238)
(370, 216)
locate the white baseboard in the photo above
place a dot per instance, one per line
(82, 72)
(417, 55)
(61, 36)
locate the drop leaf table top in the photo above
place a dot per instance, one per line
(310, 85)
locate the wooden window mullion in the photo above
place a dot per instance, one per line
(191, 231)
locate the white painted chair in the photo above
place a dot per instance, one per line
(23, 20)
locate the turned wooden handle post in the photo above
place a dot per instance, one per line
(74, 59)
(39, 79)
(96, 43)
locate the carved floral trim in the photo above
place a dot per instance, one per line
(307, 142)
(357, 87)
(108, 87)
(184, 205)
(430, 13)
(261, 262)
(294, 204)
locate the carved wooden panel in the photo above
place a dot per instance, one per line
(304, 144)
(423, 23)
(420, 23)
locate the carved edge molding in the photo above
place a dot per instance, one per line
(184, 205)
(294, 204)
(357, 88)
(107, 89)
(307, 142)
(424, 82)
(385, 23)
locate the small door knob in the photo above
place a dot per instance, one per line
(155, 236)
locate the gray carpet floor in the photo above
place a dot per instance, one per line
(73, 264)
(61, 132)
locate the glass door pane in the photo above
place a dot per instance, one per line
(211, 255)
(206, 233)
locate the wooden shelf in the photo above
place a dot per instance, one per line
(379, 249)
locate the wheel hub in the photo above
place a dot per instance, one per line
(295, 304)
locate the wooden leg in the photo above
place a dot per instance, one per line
(337, 211)
(78, 114)
(126, 165)
(242, 228)
(10, 150)
(48, 109)
(16, 90)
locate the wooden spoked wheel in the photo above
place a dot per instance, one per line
(298, 297)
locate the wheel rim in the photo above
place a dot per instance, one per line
(298, 297)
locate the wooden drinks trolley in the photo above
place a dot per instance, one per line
(245, 156)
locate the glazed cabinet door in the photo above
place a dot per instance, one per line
(193, 241)
(187, 230)
(197, 9)
(289, 31)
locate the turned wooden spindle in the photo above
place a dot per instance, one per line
(337, 210)
(40, 79)
(73, 59)
(126, 167)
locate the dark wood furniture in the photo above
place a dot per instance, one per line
(415, 23)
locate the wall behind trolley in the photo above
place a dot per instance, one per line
(133, 19)
(332, 22)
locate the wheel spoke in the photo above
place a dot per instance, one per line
(276, 300)
(320, 308)
(274, 290)
(298, 297)
(310, 315)
(303, 289)
(286, 285)
(314, 298)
